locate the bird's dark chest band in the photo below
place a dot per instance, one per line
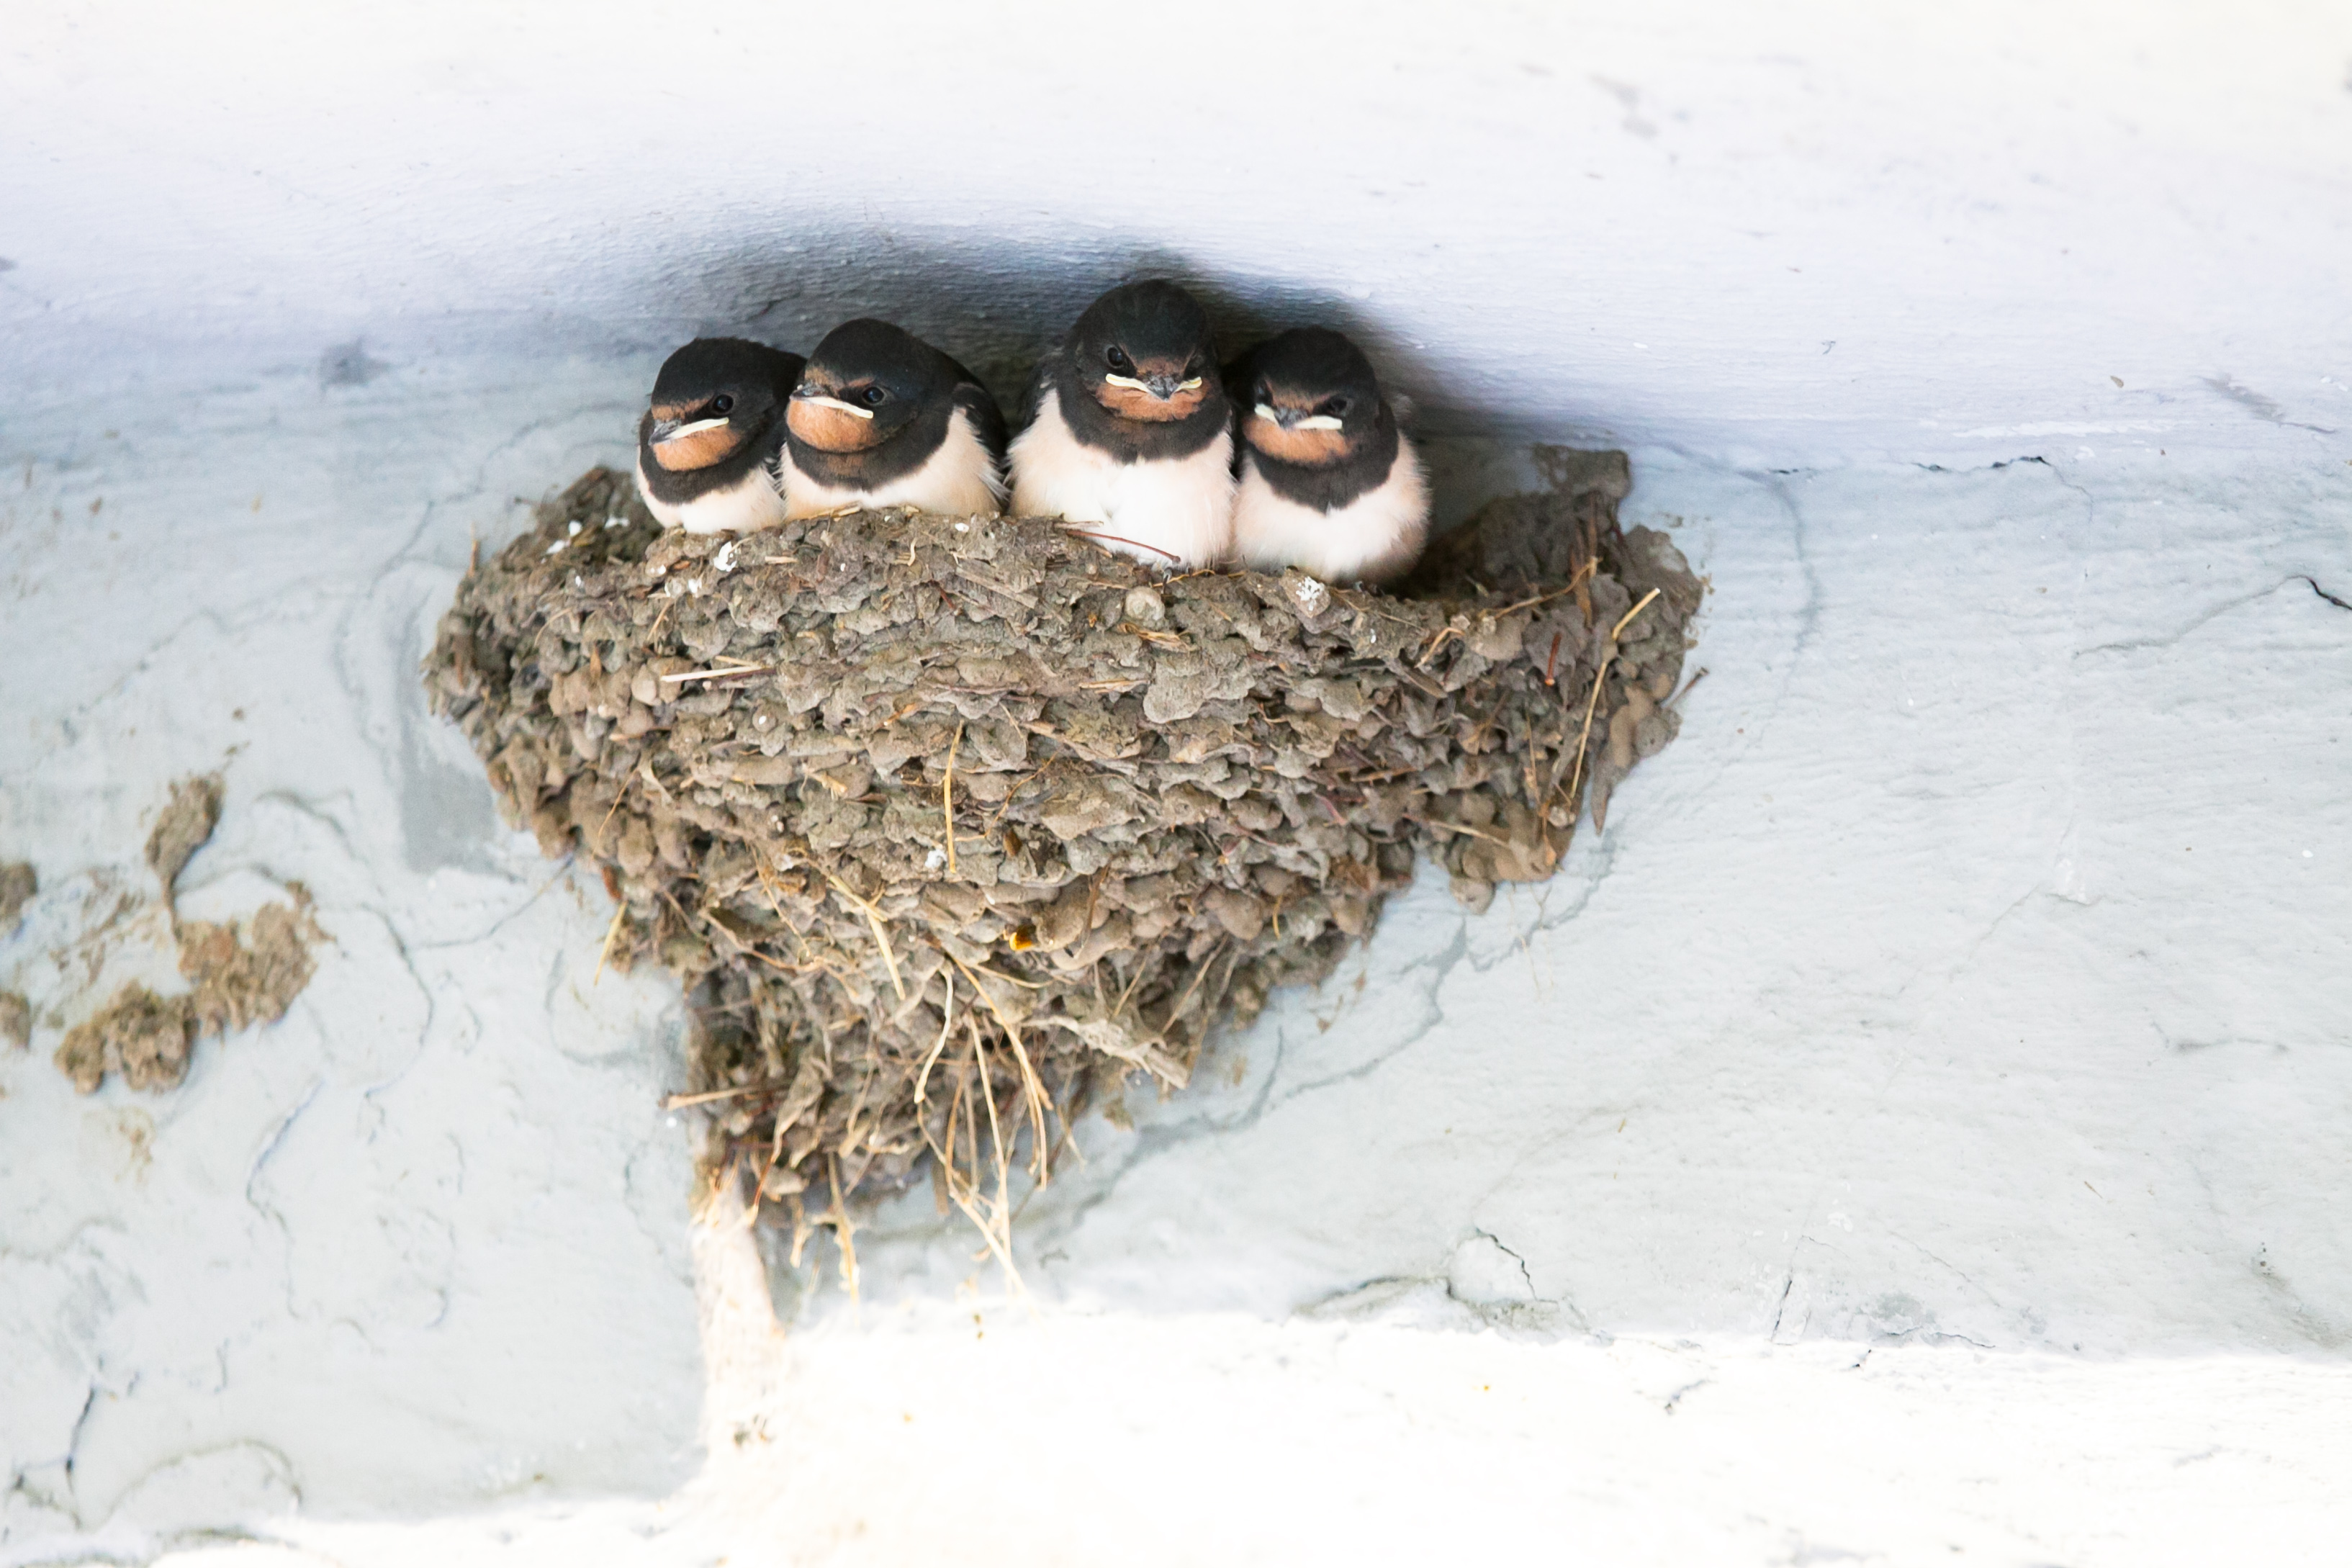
(1136, 440)
(893, 457)
(1336, 485)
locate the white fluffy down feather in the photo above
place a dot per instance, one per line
(1376, 536)
(748, 505)
(1172, 513)
(960, 479)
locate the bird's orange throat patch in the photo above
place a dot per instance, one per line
(830, 429)
(1308, 449)
(1134, 403)
(700, 449)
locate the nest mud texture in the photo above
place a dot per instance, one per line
(947, 823)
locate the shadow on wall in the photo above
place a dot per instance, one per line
(999, 305)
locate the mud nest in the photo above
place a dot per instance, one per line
(949, 824)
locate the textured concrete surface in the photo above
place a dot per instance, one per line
(1915, 1124)
(422, 1242)
(1975, 967)
(1805, 233)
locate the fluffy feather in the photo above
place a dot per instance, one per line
(1373, 538)
(960, 479)
(1172, 513)
(749, 504)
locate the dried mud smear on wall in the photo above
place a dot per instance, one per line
(242, 972)
(944, 823)
(18, 883)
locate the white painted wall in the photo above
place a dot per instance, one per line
(1967, 987)
(1810, 232)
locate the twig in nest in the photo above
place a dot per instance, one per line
(996, 1139)
(1420, 682)
(1686, 691)
(1024, 782)
(1118, 1009)
(730, 672)
(620, 913)
(962, 1182)
(610, 815)
(713, 1096)
(1156, 638)
(881, 935)
(1114, 539)
(947, 1022)
(1608, 658)
(1033, 1089)
(1585, 735)
(946, 798)
(778, 965)
(768, 886)
(1008, 979)
(995, 1230)
(1470, 746)
(1627, 619)
(760, 1187)
(1208, 962)
(1575, 578)
(1458, 827)
(844, 1231)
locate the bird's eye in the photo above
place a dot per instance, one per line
(1338, 407)
(872, 396)
(1118, 360)
(722, 404)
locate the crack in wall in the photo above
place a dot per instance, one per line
(260, 1162)
(2323, 592)
(1688, 1388)
(1537, 1315)
(2168, 639)
(2261, 408)
(81, 1425)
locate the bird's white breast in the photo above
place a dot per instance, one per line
(1377, 534)
(959, 479)
(1177, 511)
(750, 503)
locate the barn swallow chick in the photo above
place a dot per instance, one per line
(1328, 484)
(707, 447)
(1131, 442)
(882, 418)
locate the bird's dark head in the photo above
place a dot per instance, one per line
(1310, 397)
(713, 398)
(866, 382)
(1145, 352)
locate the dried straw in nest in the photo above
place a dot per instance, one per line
(944, 823)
